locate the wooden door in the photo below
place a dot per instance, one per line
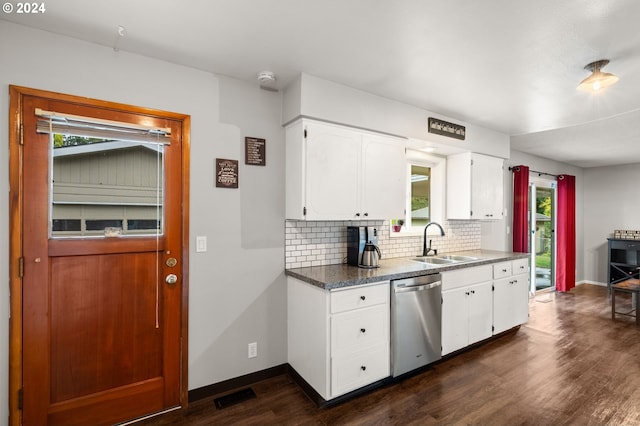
(102, 330)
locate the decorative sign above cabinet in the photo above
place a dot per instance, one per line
(444, 128)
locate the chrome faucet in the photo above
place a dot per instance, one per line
(426, 250)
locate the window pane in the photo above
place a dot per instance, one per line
(106, 184)
(66, 225)
(101, 224)
(138, 224)
(420, 195)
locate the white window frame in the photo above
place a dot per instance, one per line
(438, 167)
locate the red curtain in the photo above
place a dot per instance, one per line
(520, 209)
(566, 234)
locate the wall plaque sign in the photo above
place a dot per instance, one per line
(255, 151)
(444, 128)
(226, 173)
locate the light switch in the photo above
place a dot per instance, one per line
(201, 244)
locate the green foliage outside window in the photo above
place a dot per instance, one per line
(61, 141)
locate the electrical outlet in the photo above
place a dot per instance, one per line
(253, 350)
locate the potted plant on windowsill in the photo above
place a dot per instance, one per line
(396, 224)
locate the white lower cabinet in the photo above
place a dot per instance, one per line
(467, 307)
(350, 371)
(511, 295)
(478, 302)
(338, 340)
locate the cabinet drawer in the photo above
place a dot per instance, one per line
(520, 266)
(625, 245)
(359, 297)
(465, 276)
(501, 270)
(354, 330)
(355, 370)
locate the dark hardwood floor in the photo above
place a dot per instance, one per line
(569, 365)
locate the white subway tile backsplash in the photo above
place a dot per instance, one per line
(325, 242)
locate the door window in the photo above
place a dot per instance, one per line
(107, 179)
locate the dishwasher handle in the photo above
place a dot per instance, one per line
(402, 288)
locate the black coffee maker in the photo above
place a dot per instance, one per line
(362, 246)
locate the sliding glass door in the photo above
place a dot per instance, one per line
(543, 224)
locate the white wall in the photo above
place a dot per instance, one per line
(611, 201)
(311, 96)
(496, 235)
(237, 288)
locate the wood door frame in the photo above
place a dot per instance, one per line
(16, 196)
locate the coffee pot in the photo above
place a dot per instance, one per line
(370, 256)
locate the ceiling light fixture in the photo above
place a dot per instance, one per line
(598, 79)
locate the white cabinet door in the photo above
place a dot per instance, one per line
(480, 312)
(511, 302)
(338, 173)
(521, 299)
(467, 316)
(474, 186)
(487, 187)
(455, 320)
(384, 170)
(357, 369)
(332, 172)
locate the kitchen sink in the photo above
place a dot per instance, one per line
(434, 260)
(458, 258)
(444, 259)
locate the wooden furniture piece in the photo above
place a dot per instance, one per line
(631, 286)
(623, 262)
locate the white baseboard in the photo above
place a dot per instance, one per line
(591, 282)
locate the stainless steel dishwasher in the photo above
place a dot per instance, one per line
(416, 318)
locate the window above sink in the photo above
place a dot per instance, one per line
(425, 180)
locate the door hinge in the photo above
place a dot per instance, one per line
(21, 134)
(304, 211)
(472, 162)
(471, 213)
(493, 328)
(20, 398)
(305, 133)
(493, 288)
(21, 267)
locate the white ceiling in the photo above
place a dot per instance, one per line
(510, 65)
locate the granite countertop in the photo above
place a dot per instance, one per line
(336, 276)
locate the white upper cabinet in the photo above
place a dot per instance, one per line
(338, 173)
(384, 165)
(474, 186)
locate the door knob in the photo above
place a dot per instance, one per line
(171, 279)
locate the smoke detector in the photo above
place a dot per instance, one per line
(267, 80)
